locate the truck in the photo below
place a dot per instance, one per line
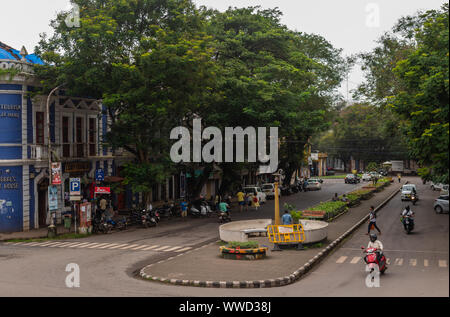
(397, 166)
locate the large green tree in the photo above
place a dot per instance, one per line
(408, 73)
(148, 60)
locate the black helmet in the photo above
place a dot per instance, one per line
(407, 208)
(373, 237)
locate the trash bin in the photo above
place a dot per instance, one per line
(67, 221)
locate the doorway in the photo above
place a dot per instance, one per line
(42, 202)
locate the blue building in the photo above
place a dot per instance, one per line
(76, 129)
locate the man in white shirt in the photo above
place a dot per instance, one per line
(406, 213)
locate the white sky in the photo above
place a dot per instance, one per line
(341, 22)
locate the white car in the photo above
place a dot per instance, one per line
(441, 204)
(256, 191)
(313, 183)
(366, 177)
(407, 191)
(439, 186)
(269, 190)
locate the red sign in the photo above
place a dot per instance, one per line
(103, 190)
(56, 173)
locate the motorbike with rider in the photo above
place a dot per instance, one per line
(407, 219)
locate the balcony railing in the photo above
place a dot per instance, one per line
(64, 151)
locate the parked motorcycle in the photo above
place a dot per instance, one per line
(200, 208)
(372, 260)
(408, 223)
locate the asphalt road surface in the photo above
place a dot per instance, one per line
(108, 263)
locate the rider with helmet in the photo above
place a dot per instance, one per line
(376, 244)
(407, 212)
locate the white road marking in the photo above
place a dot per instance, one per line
(442, 263)
(80, 244)
(355, 260)
(33, 244)
(65, 246)
(117, 246)
(413, 262)
(425, 262)
(185, 249)
(140, 247)
(97, 245)
(152, 247)
(398, 261)
(341, 259)
(172, 249)
(108, 245)
(129, 246)
(61, 245)
(162, 248)
(54, 244)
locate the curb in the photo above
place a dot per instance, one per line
(282, 281)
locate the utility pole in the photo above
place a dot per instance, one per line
(49, 150)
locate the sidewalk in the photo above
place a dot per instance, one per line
(33, 234)
(205, 267)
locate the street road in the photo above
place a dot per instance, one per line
(108, 262)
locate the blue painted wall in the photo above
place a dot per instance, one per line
(11, 118)
(11, 203)
(10, 87)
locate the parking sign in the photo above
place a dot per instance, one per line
(75, 187)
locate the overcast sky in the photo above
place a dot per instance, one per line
(352, 25)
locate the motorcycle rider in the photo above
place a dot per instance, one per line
(376, 244)
(407, 212)
(223, 208)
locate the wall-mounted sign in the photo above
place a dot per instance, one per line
(77, 167)
(99, 174)
(75, 187)
(56, 173)
(52, 197)
(103, 190)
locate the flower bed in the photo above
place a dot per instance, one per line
(243, 251)
(325, 210)
(363, 194)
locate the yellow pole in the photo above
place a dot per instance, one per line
(277, 207)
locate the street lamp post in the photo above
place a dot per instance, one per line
(52, 227)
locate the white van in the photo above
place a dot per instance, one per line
(407, 191)
(256, 191)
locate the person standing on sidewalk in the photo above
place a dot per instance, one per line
(399, 177)
(373, 221)
(287, 218)
(255, 202)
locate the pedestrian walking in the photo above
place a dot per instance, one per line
(255, 202)
(287, 218)
(399, 177)
(184, 208)
(247, 201)
(372, 221)
(240, 196)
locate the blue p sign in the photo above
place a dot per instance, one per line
(75, 187)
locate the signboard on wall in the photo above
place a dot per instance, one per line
(103, 190)
(56, 173)
(77, 167)
(11, 201)
(52, 198)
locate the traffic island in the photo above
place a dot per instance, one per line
(203, 267)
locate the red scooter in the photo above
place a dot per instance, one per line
(371, 260)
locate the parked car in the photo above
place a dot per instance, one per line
(439, 186)
(366, 177)
(383, 172)
(444, 190)
(330, 173)
(269, 190)
(352, 179)
(313, 184)
(441, 204)
(256, 191)
(407, 190)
